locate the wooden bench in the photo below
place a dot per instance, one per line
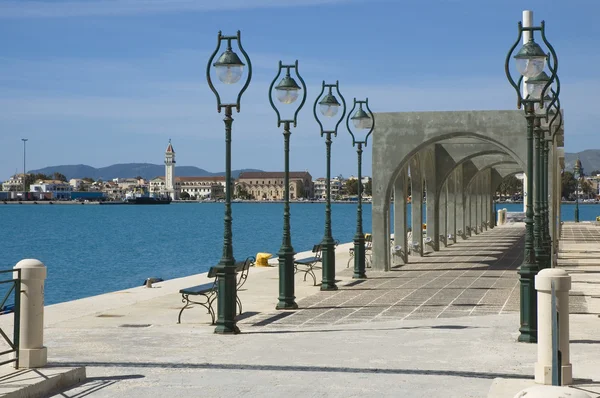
(206, 294)
(307, 264)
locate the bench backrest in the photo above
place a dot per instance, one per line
(317, 250)
(241, 268)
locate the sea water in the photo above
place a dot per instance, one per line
(91, 250)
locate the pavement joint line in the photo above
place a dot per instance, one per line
(439, 289)
(504, 254)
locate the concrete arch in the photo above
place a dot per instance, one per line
(400, 136)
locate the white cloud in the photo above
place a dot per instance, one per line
(59, 9)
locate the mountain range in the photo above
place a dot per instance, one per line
(129, 170)
(590, 160)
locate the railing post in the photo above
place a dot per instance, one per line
(32, 353)
(545, 281)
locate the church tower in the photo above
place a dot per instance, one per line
(170, 172)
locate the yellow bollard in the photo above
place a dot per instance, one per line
(261, 259)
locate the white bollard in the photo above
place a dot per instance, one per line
(551, 392)
(543, 285)
(32, 353)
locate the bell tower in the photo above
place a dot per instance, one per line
(170, 172)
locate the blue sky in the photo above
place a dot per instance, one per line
(101, 82)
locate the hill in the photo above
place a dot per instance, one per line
(590, 160)
(129, 170)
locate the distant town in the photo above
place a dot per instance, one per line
(251, 185)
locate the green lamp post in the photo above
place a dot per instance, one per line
(329, 106)
(578, 174)
(364, 121)
(553, 125)
(546, 116)
(530, 63)
(229, 69)
(287, 92)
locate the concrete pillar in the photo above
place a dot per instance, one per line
(485, 209)
(480, 203)
(416, 181)
(400, 230)
(443, 212)
(451, 207)
(562, 285)
(459, 197)
(431, 203)
(474, 207)
(32, 353)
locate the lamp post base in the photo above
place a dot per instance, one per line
(528, 329)
(226, 300)
(359, 257)
(328, 256)
(286, 280)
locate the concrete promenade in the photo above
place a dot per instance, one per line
(444, 325)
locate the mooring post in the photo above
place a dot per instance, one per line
(545, 281)
(32, 353)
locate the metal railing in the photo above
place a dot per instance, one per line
(15, 288)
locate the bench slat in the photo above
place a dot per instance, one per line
(307, 260)
(199, 289)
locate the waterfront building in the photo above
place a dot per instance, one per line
(58, 189)
(320, 188)
(195, 187)
(77, 184)
(15, 183)
(337, 186)
(268, 185)
(128, 184)
(112, 190)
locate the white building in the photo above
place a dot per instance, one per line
(15, 183)
(336, 185)
(320, 187)
(58, 189)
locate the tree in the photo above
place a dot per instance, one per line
(351, 187)
(88, 179)
(588, 189)
(569, 184)
(510, 186)
(59, 176)
(595, 172)
(185, 195)
(369, 188)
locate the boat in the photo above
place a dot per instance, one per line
(140, 196)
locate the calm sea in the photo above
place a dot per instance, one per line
(91, 250)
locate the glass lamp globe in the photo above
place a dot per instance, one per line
(287, 96)
(329, 105)
(287, 90)
(531, 59)
(535, 85)
(361, 120)
(229, 67)
(329, 110)
(229, 74)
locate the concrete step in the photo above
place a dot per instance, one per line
(573, 262)
(591, 255)
(38, 383)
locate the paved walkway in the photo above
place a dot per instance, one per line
(444, 325)
(476, 277)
